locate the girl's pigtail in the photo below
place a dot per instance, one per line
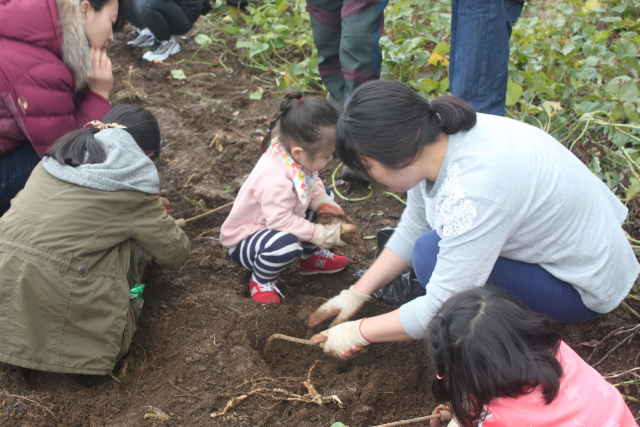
(284, 106)
(70, 149)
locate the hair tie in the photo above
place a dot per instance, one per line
(439, 377)
(102, 126)
(268, 130)
(301, 98)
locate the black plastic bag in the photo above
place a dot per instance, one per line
(402, 289)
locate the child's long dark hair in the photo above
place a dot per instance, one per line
(484, 345)
(142, 126)
(302, 120)
(387, 121)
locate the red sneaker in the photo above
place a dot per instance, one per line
(322, 261)
(264, 293)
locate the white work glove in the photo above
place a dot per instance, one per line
(326, 207)
(343, 340)
(327, 236)
(345, 305)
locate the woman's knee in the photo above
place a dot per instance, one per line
(425, 256)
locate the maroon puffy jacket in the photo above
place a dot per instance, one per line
(45, 64)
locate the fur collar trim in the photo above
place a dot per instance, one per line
(76, 52)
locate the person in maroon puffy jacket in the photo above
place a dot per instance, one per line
(55, 77)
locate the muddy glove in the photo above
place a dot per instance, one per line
(342, 340)
(345, 305)
(327, 236)
(326, 207)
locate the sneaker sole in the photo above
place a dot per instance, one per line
(145, 44)
(173, 51)
(311, 273)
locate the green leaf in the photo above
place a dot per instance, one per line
(230, 29)
(257, 48)
(622, 88)
(565, 8)
(257, 95)
(568, 48)
(443, 86)
(178, 75)
(202, 40)
(514, 92)
(633, 189)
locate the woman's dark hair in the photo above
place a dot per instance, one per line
(301, 120)
(140, 123)
(123, 11)
(484, 345)
(387, 121)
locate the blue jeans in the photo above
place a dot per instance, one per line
(531, 284)
(15, 168)
(480, 32)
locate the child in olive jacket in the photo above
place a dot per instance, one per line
(77, 239)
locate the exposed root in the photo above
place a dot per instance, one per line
(133, 92)
(634, 329)
(279, 394)
(23, 398)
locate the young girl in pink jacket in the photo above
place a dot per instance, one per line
(499, 365)
(271, 223)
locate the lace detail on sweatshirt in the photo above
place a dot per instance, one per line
(449, 213)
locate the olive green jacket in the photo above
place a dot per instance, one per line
(66, 270)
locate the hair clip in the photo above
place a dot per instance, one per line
(439, 377)
(268, 130)
(102, 126)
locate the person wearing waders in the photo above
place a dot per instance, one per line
(346, 34)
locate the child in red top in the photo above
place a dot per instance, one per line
(271, 223)
(499, 365)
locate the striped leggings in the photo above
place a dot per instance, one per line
(267, 253)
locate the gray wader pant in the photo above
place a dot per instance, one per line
(346, 34)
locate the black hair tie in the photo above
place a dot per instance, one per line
(436, 116)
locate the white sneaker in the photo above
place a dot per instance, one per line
(162, 50)
(145, 38)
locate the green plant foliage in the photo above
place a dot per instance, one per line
(573, 70)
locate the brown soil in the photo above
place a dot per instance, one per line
(202, 336)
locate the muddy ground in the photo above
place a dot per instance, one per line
(201, 339)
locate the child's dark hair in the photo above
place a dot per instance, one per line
(484, 345)
(301, 120)
(387, 121)
(140, 123)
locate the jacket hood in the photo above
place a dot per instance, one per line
(126, 168)
(55, 25)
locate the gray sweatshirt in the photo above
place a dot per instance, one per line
(509, 189)
(126, 168)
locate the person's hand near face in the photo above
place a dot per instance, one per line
(99, 29)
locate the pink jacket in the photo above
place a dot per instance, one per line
(45, 64)
(585, 399)
(268, 200)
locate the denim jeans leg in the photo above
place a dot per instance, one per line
(480, 32)
(15, 169)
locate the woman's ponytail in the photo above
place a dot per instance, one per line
(452, 114)
(285, 104)
(72, 148)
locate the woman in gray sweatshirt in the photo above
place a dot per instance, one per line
(489, 199)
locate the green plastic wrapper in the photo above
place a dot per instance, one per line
(137, 290)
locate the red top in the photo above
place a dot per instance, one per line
(38, 98)
(585, 399)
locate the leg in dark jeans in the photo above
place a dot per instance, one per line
(163, 18)
(15, 169)
(480, 32)
(529, 283)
